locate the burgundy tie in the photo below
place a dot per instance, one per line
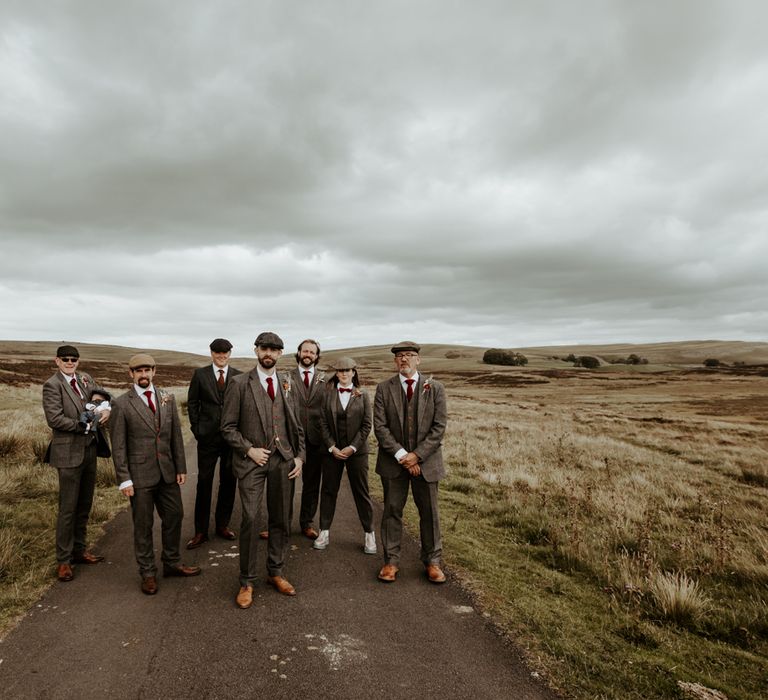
(270, 388)
(148, 394)
(342, 390)
(221, 379)
(306, 378)
(409, 391)
(75, 388)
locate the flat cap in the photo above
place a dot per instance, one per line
(141, 360)
(267, 339)
(344, 363)
(67, 351)
(406, 346)
(220, 345)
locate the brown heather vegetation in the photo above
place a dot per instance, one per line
(612, 521)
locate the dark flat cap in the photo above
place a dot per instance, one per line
(220, 345)
(67, 351)
(406, 346)
(344, 363)
(267, 339)
(141, 360)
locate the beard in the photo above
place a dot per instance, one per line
(143, 382)
(307, 361)
(267, 362)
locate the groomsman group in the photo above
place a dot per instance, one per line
(262, 430)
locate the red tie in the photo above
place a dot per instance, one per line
(221, 379)
(342, 390)
(270, 388)
(148, 394)
(75, 388)
(306, 378)
(409, 391)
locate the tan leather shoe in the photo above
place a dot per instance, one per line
(388, 573)
(264, 534)
(149, 585)
(65, 573)
(87, 558)
(197, 540)
(226, 533)
(282, 585)
(244, 598)
(181, 570)
(435, 573)
(309, 532)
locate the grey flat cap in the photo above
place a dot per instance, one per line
(267, 339)
(344, 363)
(406, 346)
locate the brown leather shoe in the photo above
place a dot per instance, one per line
(309, 532)
(435, 573)
(264, 534)
(65, 573)
(226, 533)
(388, 573)
(181, 570)
(149, 585)
(282, 585)
(197, 540)
(244, 598)
(87, 558)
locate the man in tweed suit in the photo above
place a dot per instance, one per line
(409, 418)
(267, 452)
(73, 454)
(148, 452)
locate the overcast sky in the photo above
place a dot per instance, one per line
(494, 173)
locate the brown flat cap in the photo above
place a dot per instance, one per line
(267, 339)
(406, 346)
(141, 360)
(220, 345)
(344, 363)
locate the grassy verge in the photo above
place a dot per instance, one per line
(624, 560)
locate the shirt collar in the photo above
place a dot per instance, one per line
(415, 377)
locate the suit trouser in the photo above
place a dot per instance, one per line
(76, 485)
(425, 498)
(274, 477)
(311, 473)
(357, 473)
(210, 451)
(167, 499)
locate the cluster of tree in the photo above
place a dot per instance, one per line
(713, 362)
(630, 360)
(497, 356)
(587, 361)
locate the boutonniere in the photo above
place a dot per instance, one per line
(356, 393)
(83, 380)
(286, 383)
(427, 385)
(165, 397)
(321, 376)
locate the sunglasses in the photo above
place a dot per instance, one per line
(70, 359)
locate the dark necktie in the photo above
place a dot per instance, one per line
(270, 388)
(220, 382)
(151, 405)
(306, 378)
(342, 390)
(409, 391)
(75, 388)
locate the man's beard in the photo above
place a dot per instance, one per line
(267, 362)
(307, 361)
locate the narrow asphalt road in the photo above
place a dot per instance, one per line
(345, 635)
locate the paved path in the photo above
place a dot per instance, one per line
(345, 635)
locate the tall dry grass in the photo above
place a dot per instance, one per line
(645, 514)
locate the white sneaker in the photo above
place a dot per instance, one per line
(322, 539)
(370, 543)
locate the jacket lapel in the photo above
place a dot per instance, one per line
(396, 395)
(73, 397)
(141, 408)
(261, 398)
